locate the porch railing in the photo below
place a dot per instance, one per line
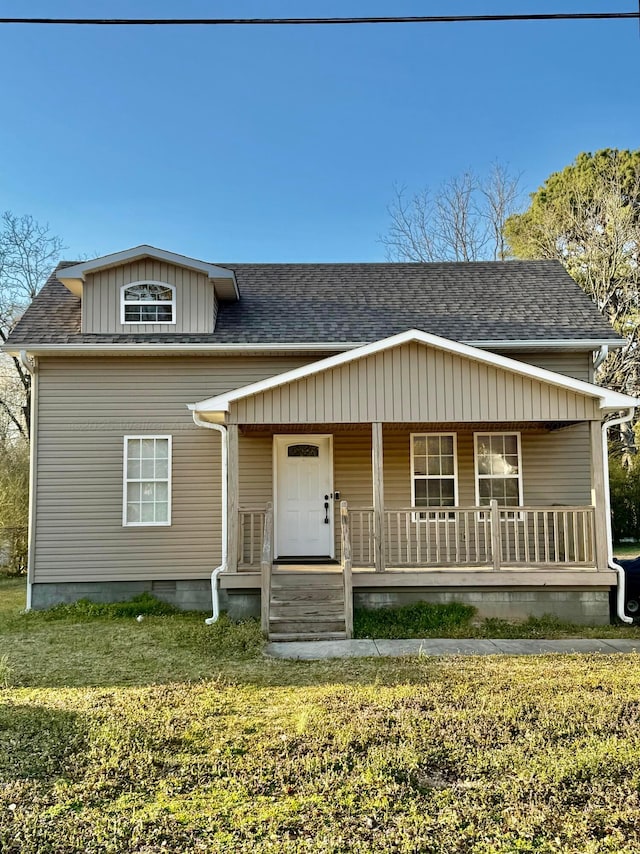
(498, 537)
(477, 536)
(250, 536)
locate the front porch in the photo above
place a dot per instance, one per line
(416, 464)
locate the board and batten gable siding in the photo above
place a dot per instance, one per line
(85, 408)
(413, 382)
(578, 365)
(196, 304)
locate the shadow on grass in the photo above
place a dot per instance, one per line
(37, 743)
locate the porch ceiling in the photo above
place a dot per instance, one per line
(403, 427)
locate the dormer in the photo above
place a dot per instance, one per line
(148, 290)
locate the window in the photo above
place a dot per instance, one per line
(303, 451)
(498, 469)
(147, 480)
(434, 473)
(148, 302)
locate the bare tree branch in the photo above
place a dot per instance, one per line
(463, 220)
(28, 252)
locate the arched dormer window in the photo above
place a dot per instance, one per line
(148, 302)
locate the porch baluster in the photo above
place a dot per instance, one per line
(495, 533)
(266, 567)
(346, 568)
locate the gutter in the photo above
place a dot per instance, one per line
(123, 347)
(621, 590)
(215, 604)
(30, 365)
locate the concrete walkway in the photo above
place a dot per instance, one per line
(311, 650)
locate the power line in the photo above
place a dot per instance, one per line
(422, 19)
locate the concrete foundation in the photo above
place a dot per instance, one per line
(188, 595)
(587, 607)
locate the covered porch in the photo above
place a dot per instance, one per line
(394, 517)
(419, 463)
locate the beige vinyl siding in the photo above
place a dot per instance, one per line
(555, 469)
(413, 382)
(195, 309)
(85, 408)
(571, 364)
(555, 466)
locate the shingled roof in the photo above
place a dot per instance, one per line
(474, 302)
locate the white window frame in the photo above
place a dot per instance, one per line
(418, 516)
(519, 477)
(126, 480)
(123, 290)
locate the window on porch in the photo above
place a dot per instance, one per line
(434, 472)
(498, 469)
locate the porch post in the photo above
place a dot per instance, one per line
(232, 497)
(377, 461)
(598, 495)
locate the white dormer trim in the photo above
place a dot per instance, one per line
(73, 278)
(609, 400)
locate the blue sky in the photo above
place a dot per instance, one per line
(283, 144)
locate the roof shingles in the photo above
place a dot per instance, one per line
(316, 303)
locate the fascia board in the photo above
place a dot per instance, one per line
(609, 399)
(78, 271)
(116, 348)
(551, 344)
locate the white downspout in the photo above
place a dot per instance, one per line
(607, 507)
(30, 366)
(215, 605)
(599, 356)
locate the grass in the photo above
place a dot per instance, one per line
(170, 736)
(456, 620)
(627, 550)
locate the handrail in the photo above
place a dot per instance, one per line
(266, 565)
(346, 568)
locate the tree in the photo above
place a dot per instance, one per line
(588, 217)
(461, 221)
(28, 251)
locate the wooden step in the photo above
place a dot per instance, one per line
(316, 625)
(306, 636)
(300, 610)
(303, 594)
(311, 580)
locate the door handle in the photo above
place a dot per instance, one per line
(326, 510)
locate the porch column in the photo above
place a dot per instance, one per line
(598, 494)
(377, 460)
(232, 497)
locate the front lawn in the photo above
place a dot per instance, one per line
(169, 736)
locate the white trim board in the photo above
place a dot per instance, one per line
(73, 277)
(248, 348)
(609, 400)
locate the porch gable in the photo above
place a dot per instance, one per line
(413, 377)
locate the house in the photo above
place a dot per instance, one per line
(307, 436)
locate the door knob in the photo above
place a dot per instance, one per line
(326, 511)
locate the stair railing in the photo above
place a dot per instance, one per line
(266, 565)
(345, 538)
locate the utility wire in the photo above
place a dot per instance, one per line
(219, 22)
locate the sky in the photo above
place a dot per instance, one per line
(285, 143)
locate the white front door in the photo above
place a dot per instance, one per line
(303, 496)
